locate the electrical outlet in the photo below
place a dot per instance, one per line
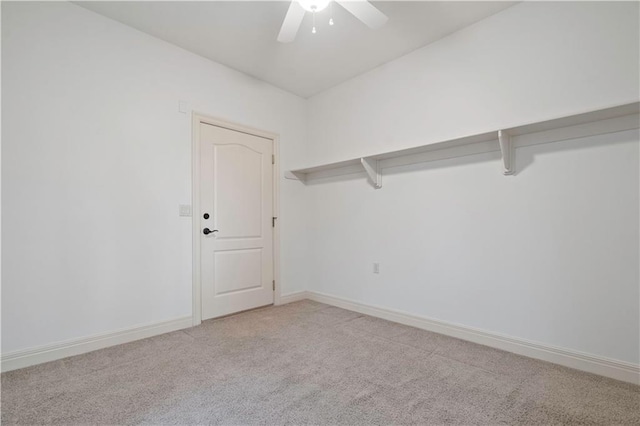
(376, 268)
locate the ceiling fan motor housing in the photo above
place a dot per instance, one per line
(314, 5)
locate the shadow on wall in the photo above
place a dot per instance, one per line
(525, 156)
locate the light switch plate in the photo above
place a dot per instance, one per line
(185, 210)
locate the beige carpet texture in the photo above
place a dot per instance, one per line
(309, 363)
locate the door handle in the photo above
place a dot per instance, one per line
(207, 231)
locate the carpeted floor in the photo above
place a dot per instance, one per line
(309, 363)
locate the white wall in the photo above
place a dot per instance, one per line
(531, 62)
(96, 159)
(549, 255)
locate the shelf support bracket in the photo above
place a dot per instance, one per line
(506, 147)
(294, 176)
(372, 167)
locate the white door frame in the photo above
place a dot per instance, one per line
(195, 195)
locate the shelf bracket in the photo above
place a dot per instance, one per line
(294, 176)
(372, 168)
(506, 147)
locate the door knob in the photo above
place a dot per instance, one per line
(207, 231)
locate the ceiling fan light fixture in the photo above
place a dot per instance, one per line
(314, 5)
(362, 10)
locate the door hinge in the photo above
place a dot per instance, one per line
(274, 285)
(273, 159)
(273, 222)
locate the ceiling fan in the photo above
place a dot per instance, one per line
(361, 9)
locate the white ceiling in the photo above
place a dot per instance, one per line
(242, 35)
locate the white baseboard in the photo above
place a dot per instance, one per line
(293, 297)
(41, 354)
(615, 369)
(33, 356)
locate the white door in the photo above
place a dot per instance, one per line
(236, 210)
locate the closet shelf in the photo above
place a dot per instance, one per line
(506, 140)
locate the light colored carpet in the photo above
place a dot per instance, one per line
(309, 363)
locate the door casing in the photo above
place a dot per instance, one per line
(195, 202)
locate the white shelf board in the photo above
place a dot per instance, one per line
(616, 118)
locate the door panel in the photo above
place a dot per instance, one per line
(239, 174)
(236, 190)
(238, 270)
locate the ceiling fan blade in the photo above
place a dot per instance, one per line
(291, 23)
(365, 11)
